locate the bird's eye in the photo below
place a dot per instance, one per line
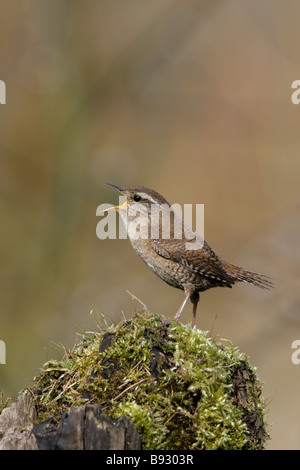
(137, 198)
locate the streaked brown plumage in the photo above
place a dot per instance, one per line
(191, 270)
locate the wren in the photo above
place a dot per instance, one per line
(165, 244)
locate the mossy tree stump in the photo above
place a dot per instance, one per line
(180, 389)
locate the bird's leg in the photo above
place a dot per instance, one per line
(194, 299)
(177, 316)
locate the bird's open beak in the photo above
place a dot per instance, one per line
(117, 207)
(114, 186)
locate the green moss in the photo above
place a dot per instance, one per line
(4, 402)
(181, 389)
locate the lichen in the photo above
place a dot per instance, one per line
(180, 388)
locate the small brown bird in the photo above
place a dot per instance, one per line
(165, 244)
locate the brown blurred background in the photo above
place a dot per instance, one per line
(191, 98)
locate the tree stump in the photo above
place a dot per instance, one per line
(145, 383)
(83, 428)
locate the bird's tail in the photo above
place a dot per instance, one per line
(239, 274)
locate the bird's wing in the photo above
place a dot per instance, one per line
(203, 261)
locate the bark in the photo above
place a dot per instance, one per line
(83, 428)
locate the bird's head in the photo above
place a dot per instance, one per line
(144, 207)
(139, 196)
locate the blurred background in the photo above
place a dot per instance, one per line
(190, 98)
